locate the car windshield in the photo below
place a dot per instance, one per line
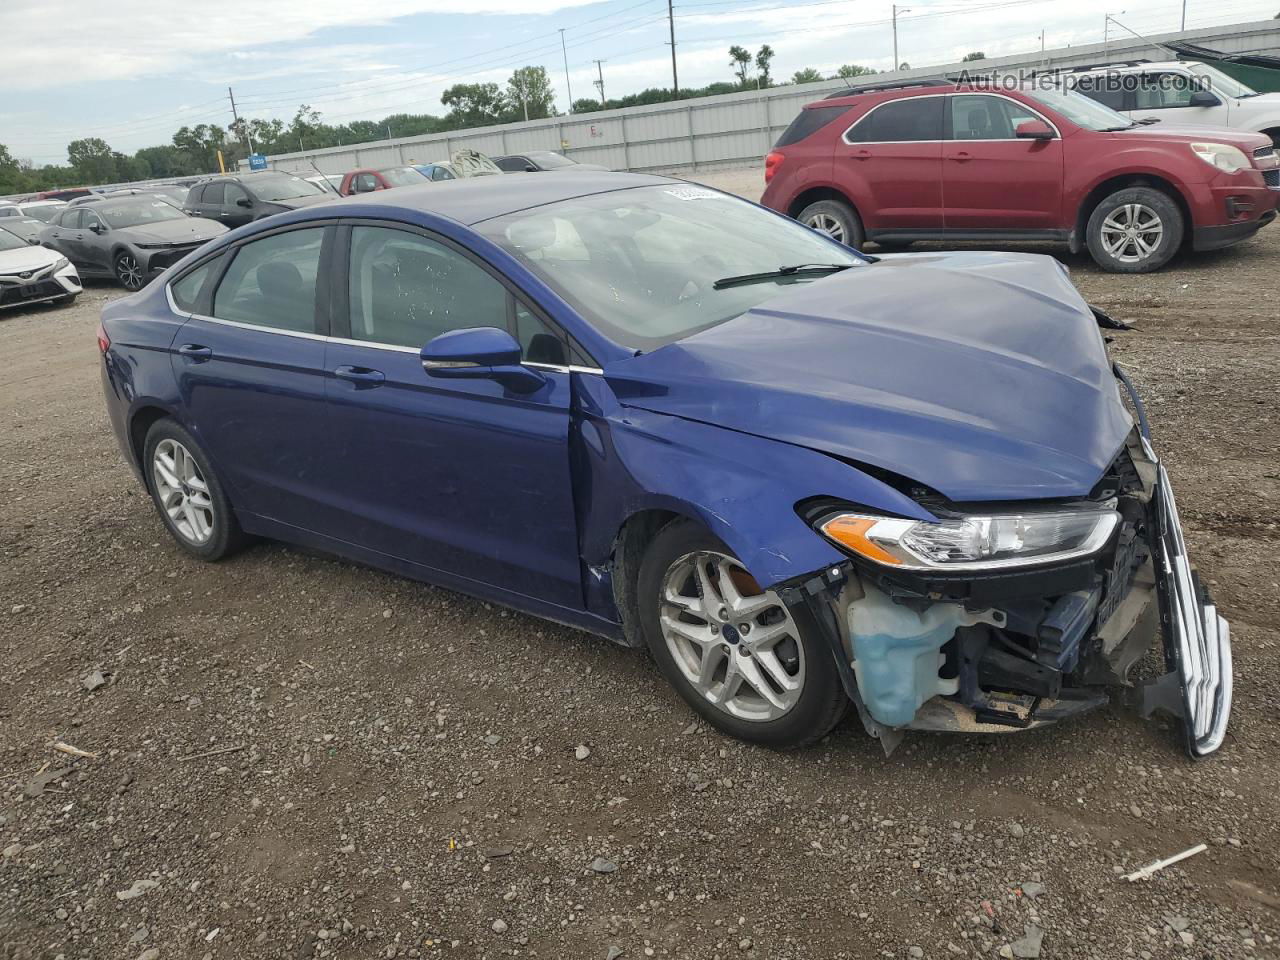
(402, 176)
(640, 264)
(283, 188)
(11, 241)
(43, 211)
(1220, 83)
(133, 213)
(550, 161)
(1079, 109)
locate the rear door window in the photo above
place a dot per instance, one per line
(912, 119)
(272, 282)
(213, 194)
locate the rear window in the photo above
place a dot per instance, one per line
(807, 123)
(900, 121)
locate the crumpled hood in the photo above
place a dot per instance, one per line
(177, 230)
(981, 375)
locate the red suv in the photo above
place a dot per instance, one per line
(937, 160)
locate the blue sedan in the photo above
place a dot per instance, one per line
(801, 477)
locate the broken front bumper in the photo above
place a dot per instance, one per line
(1197, 640)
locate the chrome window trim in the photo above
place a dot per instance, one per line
(346, 341)
(844, 137)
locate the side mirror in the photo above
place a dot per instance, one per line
(34, 241)
(244, 202)
(1203, 98)
(480, 353)
(530, 168)
(1033, 130)
(97, 227)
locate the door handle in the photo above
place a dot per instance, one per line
(196, 352)
(862, 154)
(362, 377)
(962, 157)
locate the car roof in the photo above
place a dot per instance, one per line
(1133, 66)
(472, 199)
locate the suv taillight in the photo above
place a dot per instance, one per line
(771, 164)
(104, 342)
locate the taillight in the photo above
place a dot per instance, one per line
(771, 164)
(104, 342)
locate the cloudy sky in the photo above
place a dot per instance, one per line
(132, 71)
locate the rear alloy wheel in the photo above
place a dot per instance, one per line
(735, 653)
(186, 493)
(129, 271)
(837, 220)
(1135, 230)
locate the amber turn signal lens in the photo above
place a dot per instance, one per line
(851, 532)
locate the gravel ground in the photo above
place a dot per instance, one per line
(294, 756)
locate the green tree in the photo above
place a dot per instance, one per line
(529, 89)
(201, 144)
(587, 105)
(807, 75)
(764, 58)
(93, 160)
(976, 55)
(850, 70)
(474, 104)
(740, 60)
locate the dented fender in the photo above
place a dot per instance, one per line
(742, 488)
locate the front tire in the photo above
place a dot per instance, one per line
(187, 494)
(749, 665)
(837, 220)
(1134, 230)
(128, 271)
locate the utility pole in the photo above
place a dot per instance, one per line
(389, 131)
(236, 117)
(600, 83)
(897, 11)
(671, 24)
(1184, 14)
(565, 51)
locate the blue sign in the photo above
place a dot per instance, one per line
(257, 161)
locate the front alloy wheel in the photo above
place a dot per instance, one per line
(129, 271)
(735, 644)
(1131, 233)
(738, 655)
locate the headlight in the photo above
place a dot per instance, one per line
(60, 263)
(974, 542)
(1225, 157)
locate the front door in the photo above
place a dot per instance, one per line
(94, 246)
(252, 372)
(890, 162)
(464, 476)
(992, 180)
(237, 206)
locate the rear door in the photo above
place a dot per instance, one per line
(249, 367)
(992, 180)
(890, 161)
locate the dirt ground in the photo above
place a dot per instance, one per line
(299, 757)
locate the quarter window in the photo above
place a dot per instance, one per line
(900, 121)
(406, 290)
(272, 282)
(976, 117)
(186, 292)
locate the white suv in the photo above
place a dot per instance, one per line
(1183, 92)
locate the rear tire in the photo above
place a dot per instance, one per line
(1134, 230)
(837, 220)
(749, 665)
(187, 494)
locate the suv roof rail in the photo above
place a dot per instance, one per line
(1085, 67)
(855, 89)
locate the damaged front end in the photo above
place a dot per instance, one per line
(967, 628)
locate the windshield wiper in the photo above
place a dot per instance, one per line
(1147, 121)
(798, 270)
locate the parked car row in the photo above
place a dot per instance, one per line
(980, 160)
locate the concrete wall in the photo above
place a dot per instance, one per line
(724, 132)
